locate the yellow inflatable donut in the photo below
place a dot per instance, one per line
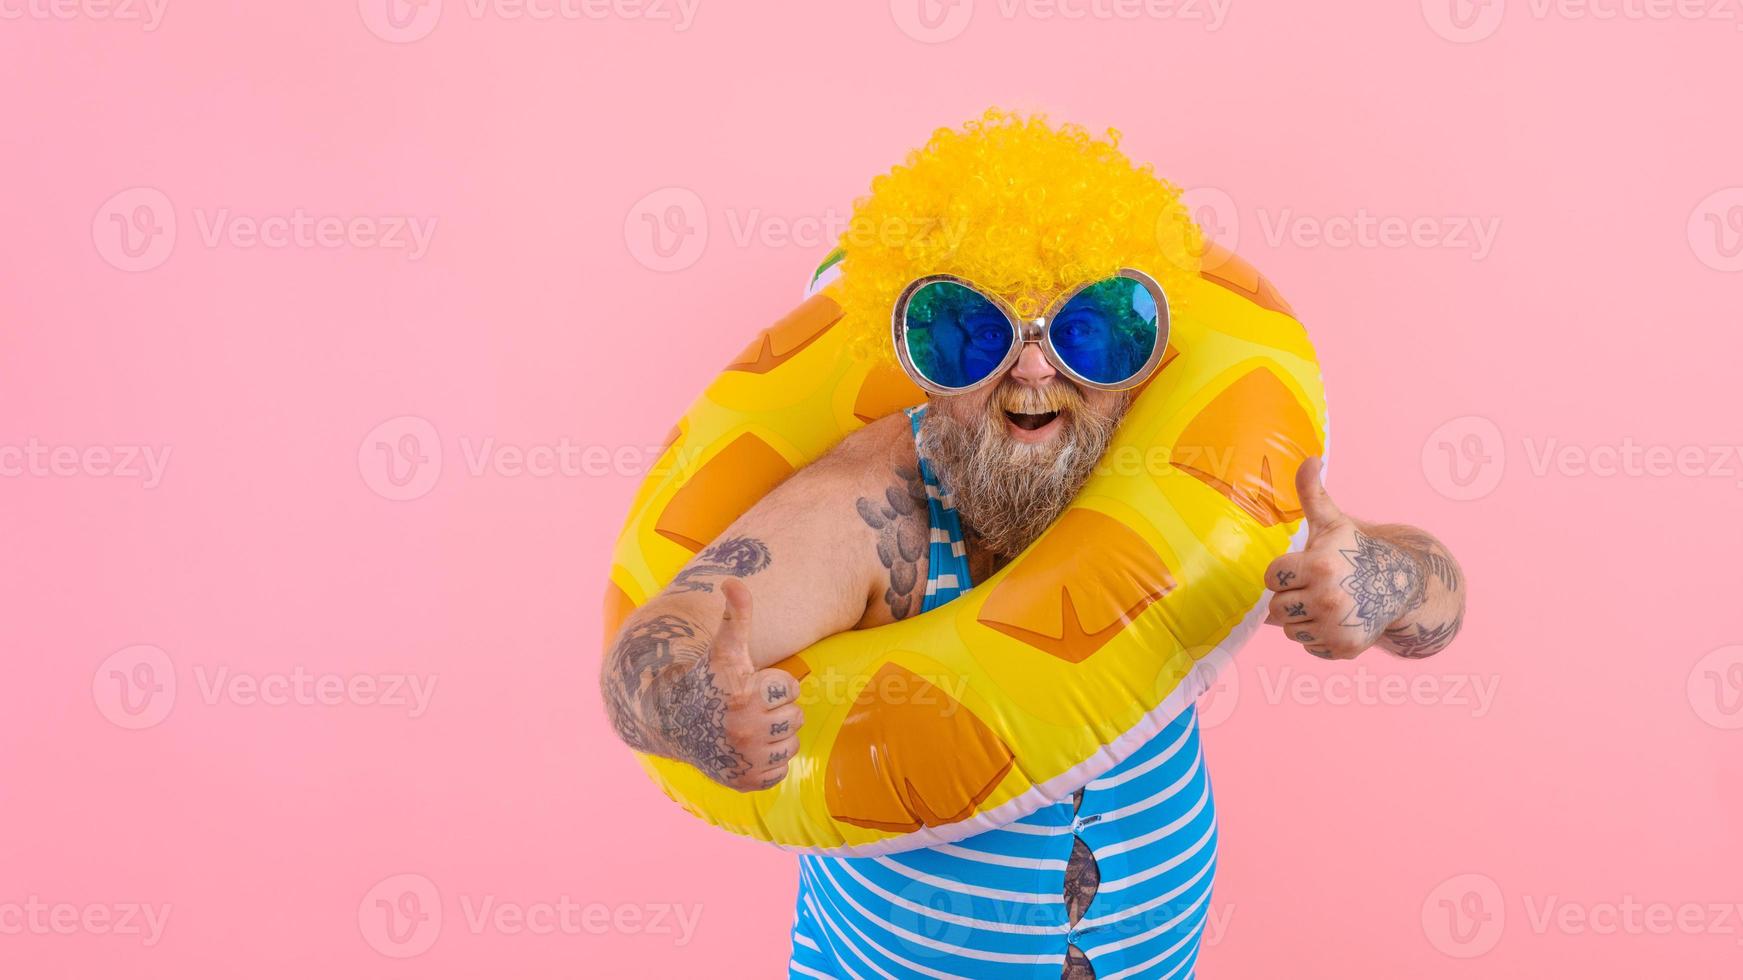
(1052, 671)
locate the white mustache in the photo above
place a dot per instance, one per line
(1025, 400)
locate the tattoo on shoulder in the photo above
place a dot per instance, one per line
(1418, 641)
(900, 519)
(1384, 582)
(734, 557)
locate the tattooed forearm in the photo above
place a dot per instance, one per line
(1417, 641)
(643, 652)
(734, 557)
(1384, 582)
(662, 697)
(1431, 555)
(902, 525)
(1428, 625)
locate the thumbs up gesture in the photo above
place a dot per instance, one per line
(1337, 596)
(736, 723)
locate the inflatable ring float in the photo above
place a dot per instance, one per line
(1058, 667)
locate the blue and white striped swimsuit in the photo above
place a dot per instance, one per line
(992, 907)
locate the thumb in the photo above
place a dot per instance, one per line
(731, 645)
(1316, 504)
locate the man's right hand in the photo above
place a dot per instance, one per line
(736, 723)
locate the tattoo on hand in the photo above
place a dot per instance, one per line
(1284, 578)
(1295, 609)
(775, 757)
(776, 692)
(1304, 637)
(903, 529)
(779, 727)
(1385, 583)
(734, 557)
(692, 715)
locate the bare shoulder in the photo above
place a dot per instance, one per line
(863, 505)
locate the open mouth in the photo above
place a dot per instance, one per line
(1029, 422)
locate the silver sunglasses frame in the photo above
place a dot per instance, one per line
(1026, 332)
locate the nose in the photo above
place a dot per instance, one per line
(1032, 367)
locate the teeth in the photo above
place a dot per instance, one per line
(1031, 420)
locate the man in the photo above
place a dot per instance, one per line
(908, 512)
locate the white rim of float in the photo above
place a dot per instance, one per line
(1199, 679)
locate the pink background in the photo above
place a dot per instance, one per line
(1433, 833)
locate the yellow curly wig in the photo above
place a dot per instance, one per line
(1017, 206)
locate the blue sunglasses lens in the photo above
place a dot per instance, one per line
(956, 337)
(1107, 332)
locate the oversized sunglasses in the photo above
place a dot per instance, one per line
(953, 337)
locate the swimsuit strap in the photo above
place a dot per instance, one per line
(947, 573)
